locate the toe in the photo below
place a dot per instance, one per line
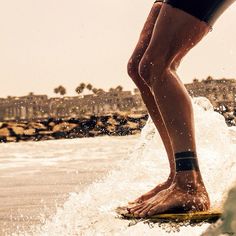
(133, 209)
(138, 211)
(141, 209)
(144, 211)
(154, 210)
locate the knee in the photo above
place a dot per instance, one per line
(153, 70)
(132, 68)
(145, 66)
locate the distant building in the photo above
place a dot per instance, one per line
(14, 108)
(221, 92)
(41, 107)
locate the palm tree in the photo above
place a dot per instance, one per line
(209, 78)
(119, 88)
(89, 86)
(94, 90)
(100, 91)
(80, 88)
(82, 85)
(56, 90)
(60, 89)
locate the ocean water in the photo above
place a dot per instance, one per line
(37, 177)
(91, 211)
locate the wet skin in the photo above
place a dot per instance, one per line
(148, 98)
(187, 193)
(174, 33)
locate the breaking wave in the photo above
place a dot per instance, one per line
(91, 212)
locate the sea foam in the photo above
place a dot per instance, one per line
(92, 211)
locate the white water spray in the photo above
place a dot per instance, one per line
(91, 212)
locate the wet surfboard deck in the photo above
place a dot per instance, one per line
(210, 216)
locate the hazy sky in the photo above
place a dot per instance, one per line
(48, 43)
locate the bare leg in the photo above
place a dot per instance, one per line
(148, 97)
(175, 33)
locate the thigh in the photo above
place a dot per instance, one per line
(146, 33)
(174, 34)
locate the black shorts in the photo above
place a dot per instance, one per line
(205, 10)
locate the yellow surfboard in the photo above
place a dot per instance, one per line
(194, 217)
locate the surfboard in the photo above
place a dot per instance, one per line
(210, 216)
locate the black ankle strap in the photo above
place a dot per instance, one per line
(185, 154)
(186, 161)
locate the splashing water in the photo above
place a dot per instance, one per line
(91, 212)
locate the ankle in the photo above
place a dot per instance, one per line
(190, 181)
(188, 175)
(171, 177)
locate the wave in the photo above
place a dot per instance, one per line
(91, 212)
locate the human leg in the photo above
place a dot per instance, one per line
(175, 33)
(187, 192)
(148, 97)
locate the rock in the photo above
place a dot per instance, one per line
(142, 122)
(100, 124)
(228, 116)
(123, 113)
(45, 138)
(85, 117)
(111, 128)
(17, 125)
(136, 131)
(51, 124)
(4, 132)
(45, 132)
(3, 125)
(11, 139)
(136, 116)
(131, 125)
(112, 121)
(95, 133)
(18, 130)
(88, 124)
(64, 126)
(30, 131)
(121, 131)
(35, 125)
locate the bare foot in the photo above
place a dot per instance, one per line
(186, 194)
(152, 192)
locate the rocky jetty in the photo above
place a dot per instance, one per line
(87, 126)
